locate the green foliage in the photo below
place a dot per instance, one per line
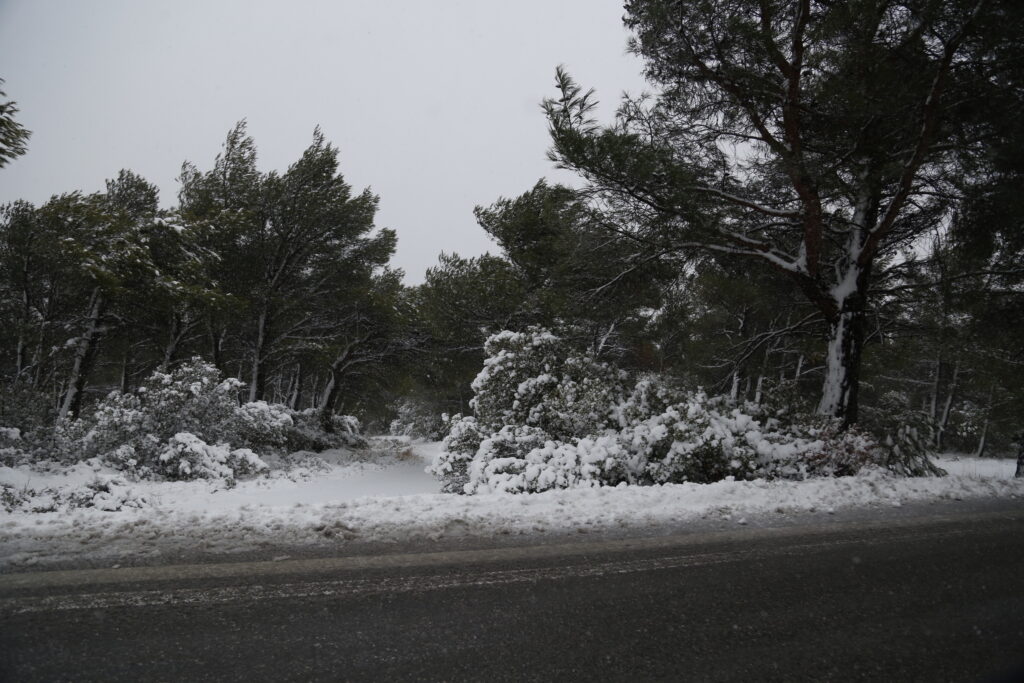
(13, 136)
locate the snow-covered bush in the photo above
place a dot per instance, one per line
(692, 441)
(817, 446)
(192, 398)
(548, 418)
(307, 433)
(182, 424)
(186, 456)
(533, 379)
(463, 441)
(11, 447)
(259, 423)
(906, 434)
(102, 493)
(650, 395)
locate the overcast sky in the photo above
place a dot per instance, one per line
(433, 103)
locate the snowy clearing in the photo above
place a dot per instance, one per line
(344, 501)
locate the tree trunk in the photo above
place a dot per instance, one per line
(842, 367)
(933, 398)
(216, 338)
(327, 398)
(1020, 456)
(258, 380)
(171, 347)
(295, 395)
(84, 355)
(943, 420)
(125, 360)
(983, 439)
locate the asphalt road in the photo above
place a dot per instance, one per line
(930, 598)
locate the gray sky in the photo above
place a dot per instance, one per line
(433, 103)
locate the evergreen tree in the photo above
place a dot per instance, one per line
(821, 138)
(13, 136)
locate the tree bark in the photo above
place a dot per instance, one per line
(327, 398)
(1020, 456)
(295, 395)
(943, 421)
(839, 395)
(84, 354)
(258, 380)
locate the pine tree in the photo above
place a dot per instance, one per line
(821, 138)
(13, 136)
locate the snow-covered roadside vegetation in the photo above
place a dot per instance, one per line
(344, 500)
(179, 466)
(549, 417)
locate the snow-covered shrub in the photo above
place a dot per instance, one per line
(186, 456)
(548, 418)
(695, 442)
(12, 450)
(259, 423)
(141, 431)
(307, 432)
(192, 398)
(905, 433)
(817, 446)
(650, 395)
(102, 493)
(533, 379)
(501, 462)
(463, 441)
(418, 420)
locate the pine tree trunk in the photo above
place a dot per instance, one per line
(1020, 456)
(842, 367)
(83, 358)
(257, 380)
(171, 347)
(943, 421)
(216, 339)
(124, 370)
(295, 395)
(327, 398)
(933, 398)
(983, 439)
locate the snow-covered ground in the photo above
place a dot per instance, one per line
(338, 500)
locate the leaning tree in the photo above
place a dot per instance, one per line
(819, 137)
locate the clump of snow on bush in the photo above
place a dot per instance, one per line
(460, 446)
(532, 379)
(101, 492)
(186, 456)
(259, 423)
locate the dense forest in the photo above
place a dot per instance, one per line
(819, 205)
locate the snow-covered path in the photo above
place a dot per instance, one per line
(396, 501)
